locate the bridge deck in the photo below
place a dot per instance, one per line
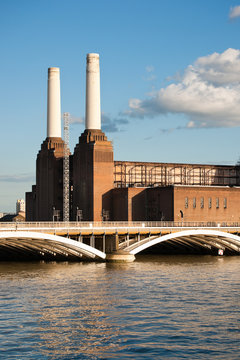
(108, 237)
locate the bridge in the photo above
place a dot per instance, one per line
(114, 241)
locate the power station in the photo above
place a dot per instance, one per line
(90, 186)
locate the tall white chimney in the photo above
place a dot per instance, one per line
(53, 104)
(93, 107)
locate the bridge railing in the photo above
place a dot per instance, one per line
(113, 224)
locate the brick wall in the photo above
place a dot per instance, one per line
(207, 203)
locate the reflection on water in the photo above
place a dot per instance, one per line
(158, 307)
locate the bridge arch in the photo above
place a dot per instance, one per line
(205, 239)
(45, 246)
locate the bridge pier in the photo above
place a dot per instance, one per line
(116, 255)
(92, 240)
(120, 256)
(116, 244)
(104, 243)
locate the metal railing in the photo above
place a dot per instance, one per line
(113, 224)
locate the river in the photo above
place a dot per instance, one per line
(158, 307)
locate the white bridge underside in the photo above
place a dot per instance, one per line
(45, 246)
(191, 240)
(37, 245)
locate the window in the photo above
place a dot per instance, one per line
(225, 203)
(202, 202)
(217, 203)
(194, 203)
(186, 202)
(210, 203)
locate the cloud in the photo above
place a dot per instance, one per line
(234, 12)
(108, 124)
(220, 69)
(112, 125)
(168, 131)
(76, 120)
(148, 138)
(17, 178)
(150, 73)
(208, 93)
(149, 68)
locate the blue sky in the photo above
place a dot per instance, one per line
(170, 79)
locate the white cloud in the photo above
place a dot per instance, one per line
(220, 69)
(234, 12)
(208, 93)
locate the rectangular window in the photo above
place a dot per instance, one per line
(217, 203)
(225, 203)
(194, 203)
(186, 202)
(202, 202)
(210, 203)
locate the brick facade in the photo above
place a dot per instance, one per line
(128, 204)
(49, 180)
(93, 176)
(102, 189)
(216, 203)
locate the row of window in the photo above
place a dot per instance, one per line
(211, 203)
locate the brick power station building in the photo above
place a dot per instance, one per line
(104, 189)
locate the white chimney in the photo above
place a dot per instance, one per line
(54, 105)
(93, 108)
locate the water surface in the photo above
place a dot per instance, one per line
(161, 307)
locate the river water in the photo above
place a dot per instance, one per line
(158, 307)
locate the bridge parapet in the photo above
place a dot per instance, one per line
(141, 225)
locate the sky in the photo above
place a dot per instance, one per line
(170, 80)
